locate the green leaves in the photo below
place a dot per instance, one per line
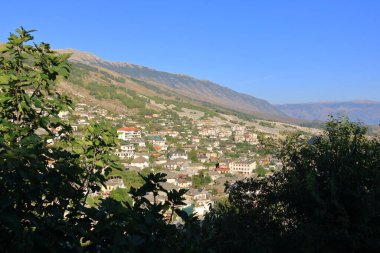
(46, 173)
(142, 225)
(27, 75)
(38, 180)
(325, 199)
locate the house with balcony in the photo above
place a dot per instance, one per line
(128, 133)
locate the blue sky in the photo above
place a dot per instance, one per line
(284, 51)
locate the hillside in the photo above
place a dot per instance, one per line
(203, 91)
(365, 111)
(120, 93)
(136, 99)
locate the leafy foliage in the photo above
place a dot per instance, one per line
(200, 180)
(46, 173)
(38, 180)
(261, 171)
(145, 226)
(95, 157)
(326, 198)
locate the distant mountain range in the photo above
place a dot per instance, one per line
(204, 91)
(365, 111)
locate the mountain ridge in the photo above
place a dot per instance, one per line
(366, 111)
(362, 101)
(199, 89)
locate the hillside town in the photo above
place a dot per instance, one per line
(190, 126)
(200, 155)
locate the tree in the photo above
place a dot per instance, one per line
(325, 199)
(121, 195)
(267, 144)
(193, 156)
(35, 175)
(95, 156)
(200, 180)
(338, 175)
(46, 173)
(261, 171)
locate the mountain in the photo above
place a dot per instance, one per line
(203, 91)
(365, 111)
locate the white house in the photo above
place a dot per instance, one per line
(140, 162)
(177, 154)
(128, 133)
(127, 147)
(183, 183)
(245, 167)
(125, 151)
(112, 184)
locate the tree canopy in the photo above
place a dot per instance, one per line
(325, 199)
(46, 173)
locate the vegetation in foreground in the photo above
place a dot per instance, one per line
(325, 199)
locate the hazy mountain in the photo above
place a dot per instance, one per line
(365, 111)
(203, 91)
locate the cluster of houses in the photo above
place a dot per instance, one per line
(182, 148)
(175, 159)
(168, 157)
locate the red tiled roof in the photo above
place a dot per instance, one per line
(157, 148)
(128, 129)
(222, 169)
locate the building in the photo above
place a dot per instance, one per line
(202, 158)
(222, 170)
(144, 155)
(224, 163)
(177, 154)
(184, 183)
(140, 162)
(112, 184)
(126, 151)
(196, 195)
(238, 129)
(245, 167)
(127, 147)
(195, 167)
(170, 165)
(161, 160)
(156, 140)
(128, 133)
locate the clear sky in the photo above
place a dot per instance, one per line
(284, 51)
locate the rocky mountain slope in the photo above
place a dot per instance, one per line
(203, 91)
